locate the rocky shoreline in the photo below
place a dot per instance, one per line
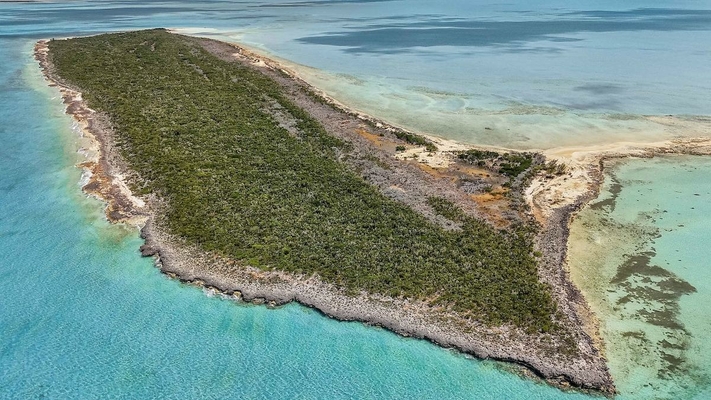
(585, 368)
(557, 218)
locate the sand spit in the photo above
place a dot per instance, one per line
(553, 200)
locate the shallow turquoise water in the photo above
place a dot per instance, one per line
(641, 255)
(521, 74)
(83, 316)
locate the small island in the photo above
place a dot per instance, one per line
(247, 180)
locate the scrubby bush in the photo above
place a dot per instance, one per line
(198, 133)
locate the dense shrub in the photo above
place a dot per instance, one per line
(507, 164)
(198, 132)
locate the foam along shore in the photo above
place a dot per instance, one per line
(102, 175)
(586, 369)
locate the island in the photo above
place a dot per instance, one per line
(245, 179)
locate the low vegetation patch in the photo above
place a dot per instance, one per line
(416, 140)
(199, 134)
(510, 165)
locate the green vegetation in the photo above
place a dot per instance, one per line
(515, 164)
(447, 209)
(507, 164)
(553, 168)
(416, 140)
(476, 156)
(198, 132)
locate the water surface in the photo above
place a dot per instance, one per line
(641, 254)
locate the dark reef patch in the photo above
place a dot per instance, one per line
(652, 295)
(615, 189)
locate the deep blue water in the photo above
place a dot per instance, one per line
(83, 316)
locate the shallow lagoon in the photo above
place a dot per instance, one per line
(83, 315)
(641, 254)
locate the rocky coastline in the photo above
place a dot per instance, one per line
(585, 369)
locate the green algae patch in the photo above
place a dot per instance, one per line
(202, 134)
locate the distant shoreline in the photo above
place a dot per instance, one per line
(401, 316)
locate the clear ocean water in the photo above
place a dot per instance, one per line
(641, 254)
(83, 316)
